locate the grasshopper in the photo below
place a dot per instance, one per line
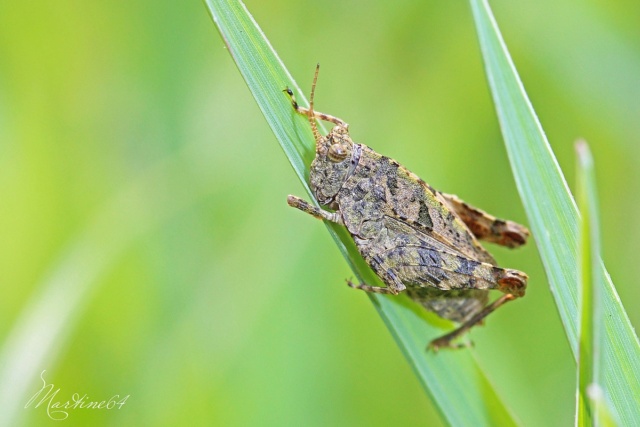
(418, 240)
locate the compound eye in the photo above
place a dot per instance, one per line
(337, 153)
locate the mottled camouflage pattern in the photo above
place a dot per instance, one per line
(415, 238)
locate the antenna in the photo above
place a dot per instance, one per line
(311, 113)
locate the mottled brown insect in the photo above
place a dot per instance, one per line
(417, 239)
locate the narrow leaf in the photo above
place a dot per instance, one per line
(589, 283)
(553, 217)
(592, 408)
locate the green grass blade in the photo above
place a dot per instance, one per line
(589, 283)
(458, 387)
(593, 409)
(553, 217)
(55, 309)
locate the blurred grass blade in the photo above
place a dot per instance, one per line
(553, 217)
(455, 383)
(41, 332)
(589, 284)
(592, 408)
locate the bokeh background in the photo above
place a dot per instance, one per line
(147, 248)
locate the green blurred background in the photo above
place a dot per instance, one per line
(147, 248)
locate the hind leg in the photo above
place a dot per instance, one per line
(487, 227)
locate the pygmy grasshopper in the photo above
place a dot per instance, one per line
(417, 239)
